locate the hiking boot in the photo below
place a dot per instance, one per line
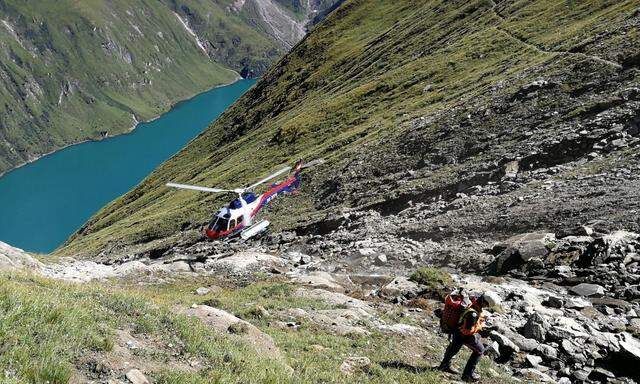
(472, 378)
(448, 369)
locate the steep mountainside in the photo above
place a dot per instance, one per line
(454, 121)
(72, 71)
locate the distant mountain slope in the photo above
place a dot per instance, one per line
(465, 118)
(78, 70)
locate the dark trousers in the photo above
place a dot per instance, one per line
(472, 342)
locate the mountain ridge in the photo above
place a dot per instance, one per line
(82, 71)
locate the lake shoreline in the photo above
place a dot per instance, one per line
(131, 130)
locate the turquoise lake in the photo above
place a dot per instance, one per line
(44, 202)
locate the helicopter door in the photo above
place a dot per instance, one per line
(232, 223)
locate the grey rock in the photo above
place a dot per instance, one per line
(576, 303)
(305, 259)
(511, 169)
(536, 375)
(630, 346)
(619, 143)
(354, 364)
(600, 374)
(521, 249)
(586, 289)
(287, 237)
(366, 252)
(492, 298)
(533, 360)
(401, 286)
(493, 350)
(581, 230)
(178, 266)
(506, 346)
(634, 326)
(553, 302)
(569, 347)
(536, 328)
(581, 374)
(527, 345)
(563, 271)
(202, 291)
(548, 352)
(136, 377)
(320, 279)
(380, 259)
(533, 249)
(631, 257)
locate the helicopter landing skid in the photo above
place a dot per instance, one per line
(255, 230)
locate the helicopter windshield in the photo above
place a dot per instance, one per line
(219, 224)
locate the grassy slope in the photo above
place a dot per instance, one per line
(73, 69)
(357, 81)
(60, 332)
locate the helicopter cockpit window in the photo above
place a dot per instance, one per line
(232, 223)
(219, 224)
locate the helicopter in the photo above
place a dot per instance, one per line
(236, 217)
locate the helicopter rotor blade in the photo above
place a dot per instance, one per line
(197, 188)
(280, 172)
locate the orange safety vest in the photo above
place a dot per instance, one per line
(476, 327)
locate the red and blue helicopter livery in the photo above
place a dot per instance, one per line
(236, 217)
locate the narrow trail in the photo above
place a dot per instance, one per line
(543, 50)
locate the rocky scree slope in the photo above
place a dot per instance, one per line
(447, 121)
(73, 71)
(233, 319)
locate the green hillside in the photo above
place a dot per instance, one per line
(407, 101)
(78, 70)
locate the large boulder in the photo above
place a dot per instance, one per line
(518, 250)
(226, 323)
(401, 286)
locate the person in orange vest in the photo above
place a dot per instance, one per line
(469, 325)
